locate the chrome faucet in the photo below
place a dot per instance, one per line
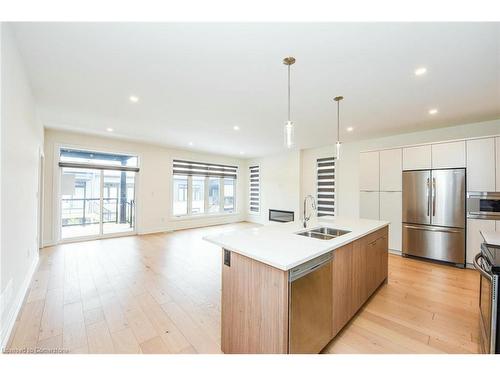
(305, 218)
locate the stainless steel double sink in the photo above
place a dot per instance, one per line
(323, 233)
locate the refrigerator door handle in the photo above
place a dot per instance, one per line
(433, 196)
(428, 196)
(433, 229)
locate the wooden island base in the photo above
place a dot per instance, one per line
(255, 296)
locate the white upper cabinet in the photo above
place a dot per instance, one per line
(391, 210)
(498, 163)
(391, 170)
(448, 155)
(369, 171)
(418, 157)
(369, 205)
(481, 164)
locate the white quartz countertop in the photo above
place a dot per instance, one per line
(279, 246)
(491, 238)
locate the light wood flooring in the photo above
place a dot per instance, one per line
(160, 293)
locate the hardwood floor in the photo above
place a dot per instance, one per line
(160, 293)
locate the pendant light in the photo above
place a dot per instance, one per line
(338, 144)
(289, 130)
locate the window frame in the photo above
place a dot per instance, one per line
(189, 214)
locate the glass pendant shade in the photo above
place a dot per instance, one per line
(289, 134)
(338, 145)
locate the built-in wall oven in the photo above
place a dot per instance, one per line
(483, 205)
(487, 262)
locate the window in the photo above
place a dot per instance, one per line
(204, 188)
(326, 186)
(229, 195)
(254, 193)
(213, 194)
(180, 195)
(198, 195)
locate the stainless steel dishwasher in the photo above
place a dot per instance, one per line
(310, 305)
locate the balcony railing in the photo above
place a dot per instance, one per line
(86, 211)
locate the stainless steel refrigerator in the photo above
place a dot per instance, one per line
(434, 214)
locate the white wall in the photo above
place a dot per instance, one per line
(21, 144)
(279, 184)
(153, 196)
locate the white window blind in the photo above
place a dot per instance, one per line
(326, 186)
(254, 194)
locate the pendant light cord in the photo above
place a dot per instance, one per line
(338, 121)
(288, 92)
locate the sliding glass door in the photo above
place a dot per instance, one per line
(80, 202)
(97, 194)
(118, 204)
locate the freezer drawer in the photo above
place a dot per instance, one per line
(438, 243)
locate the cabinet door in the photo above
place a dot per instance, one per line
(376, 260)
(369, 171)
(342, 278)
(391, 210)
(418, 157)
(391, 166)
(481, 164)
(497, 148)
(448, 155)
(369, 205)
(474, 239)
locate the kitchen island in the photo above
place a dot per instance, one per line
(286, 291)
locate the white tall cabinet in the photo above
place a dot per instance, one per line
(391, 210)
(390, 170)
(369, 171)
(369, 205)
(380, 190)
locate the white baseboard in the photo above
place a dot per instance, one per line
(8, 324)
(395, 252)
(154, 230)
(48, 244)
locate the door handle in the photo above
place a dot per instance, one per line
(428, 196)
(478, 267)
(433, 229)
(433, 196)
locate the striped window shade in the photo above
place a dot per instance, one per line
(326, 186)
(193, 168)
(254, 193)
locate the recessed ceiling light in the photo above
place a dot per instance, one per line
(236, 127)
(433, 111)
(350, 129)
(191, 143)
(109, 129)
(133, 98)
(420, 71)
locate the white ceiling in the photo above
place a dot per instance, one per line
(196, 81)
